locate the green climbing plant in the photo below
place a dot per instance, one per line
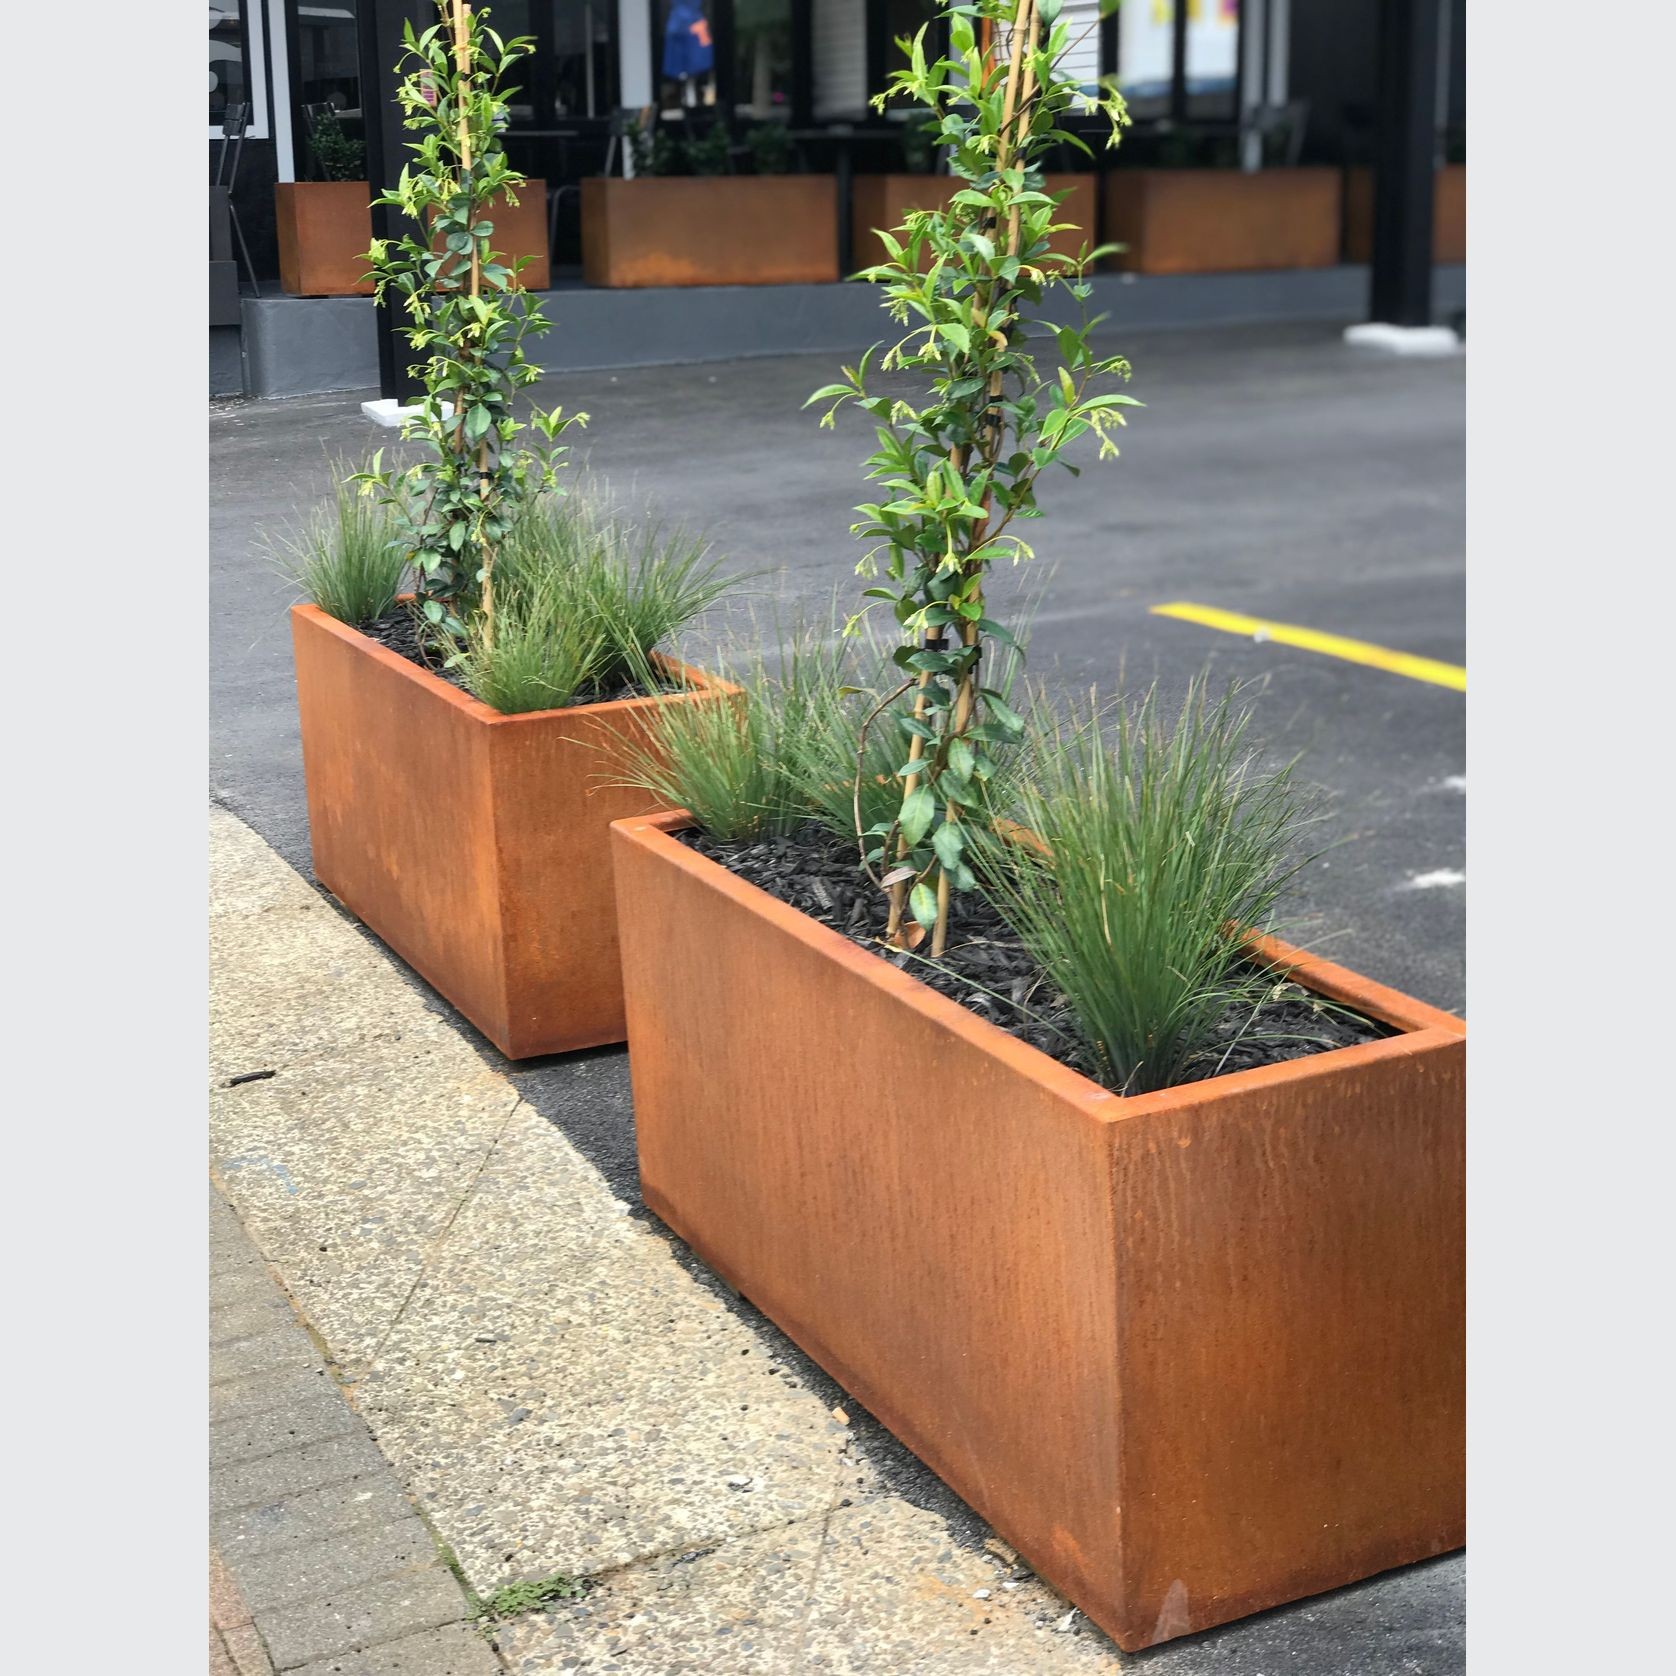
(1005, 392)
(467, 319)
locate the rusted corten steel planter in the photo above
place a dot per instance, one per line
(1188, 221)
(474, 844)
(882, 200)
(1192, 1353)
(325, 229)
(1449, 217)
(710, 230)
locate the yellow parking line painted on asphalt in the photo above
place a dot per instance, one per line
(1313, 640)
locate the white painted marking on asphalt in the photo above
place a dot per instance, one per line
(1438, 878)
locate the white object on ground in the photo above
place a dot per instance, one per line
(389, 411)
(1434, 880)
(1404, 340)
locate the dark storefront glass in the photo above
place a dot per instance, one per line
(762, 58)
(328, 69)
(229, 82)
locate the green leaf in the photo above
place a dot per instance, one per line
(948, 841)
(922, 904)
(1008, 718)
(919, 809)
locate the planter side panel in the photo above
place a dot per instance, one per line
(923, 1243)
(1223, 220)
(727, 230)
(554, 804)
(324, 229)
(1292, 1295)
(399, 812)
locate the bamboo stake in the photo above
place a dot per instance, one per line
(1021, 87)
(462, 71)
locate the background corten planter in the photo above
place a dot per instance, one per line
(474, 844)
(882, 200)
(325, 227)
(1188, 221)
(1449, 214)
(1192, 1353)
(710, 230)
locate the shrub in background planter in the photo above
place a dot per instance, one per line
(1191, 1342)
(1182, 221)
(459, 751)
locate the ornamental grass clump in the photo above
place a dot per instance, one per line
(640, 581)
(781, 753)
(1005, 391)
(349, 557)
(1152, 846)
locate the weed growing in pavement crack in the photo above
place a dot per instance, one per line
(515, 1599)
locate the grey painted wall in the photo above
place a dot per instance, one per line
(297, 346)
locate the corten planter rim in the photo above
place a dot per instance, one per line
(486, 713)
(1418, 1025)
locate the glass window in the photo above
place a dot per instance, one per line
(1146, 56)
(1145, 41)
(762, 58)
(686, 54)
(1213, 57)
(584, 57)
(328, 68)
(229, 80)
(512, 20)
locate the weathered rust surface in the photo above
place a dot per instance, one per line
(474, 844)
(1192, 1353)
(720, 230)
(324, 228)
(882, 200)
(1186, 221)
(1449, 223)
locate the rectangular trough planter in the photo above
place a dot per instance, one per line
(325, 228)
(1190, 221)
(1193, 1353)
(710, 230)
(881, 201)
(474, 844)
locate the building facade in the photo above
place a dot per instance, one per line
(1199, 76)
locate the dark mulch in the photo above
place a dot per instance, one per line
(989, 971)
(398, 629)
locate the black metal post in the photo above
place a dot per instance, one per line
(1404, 141)
(802, 63)
(1178, 65)
(378, 25)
